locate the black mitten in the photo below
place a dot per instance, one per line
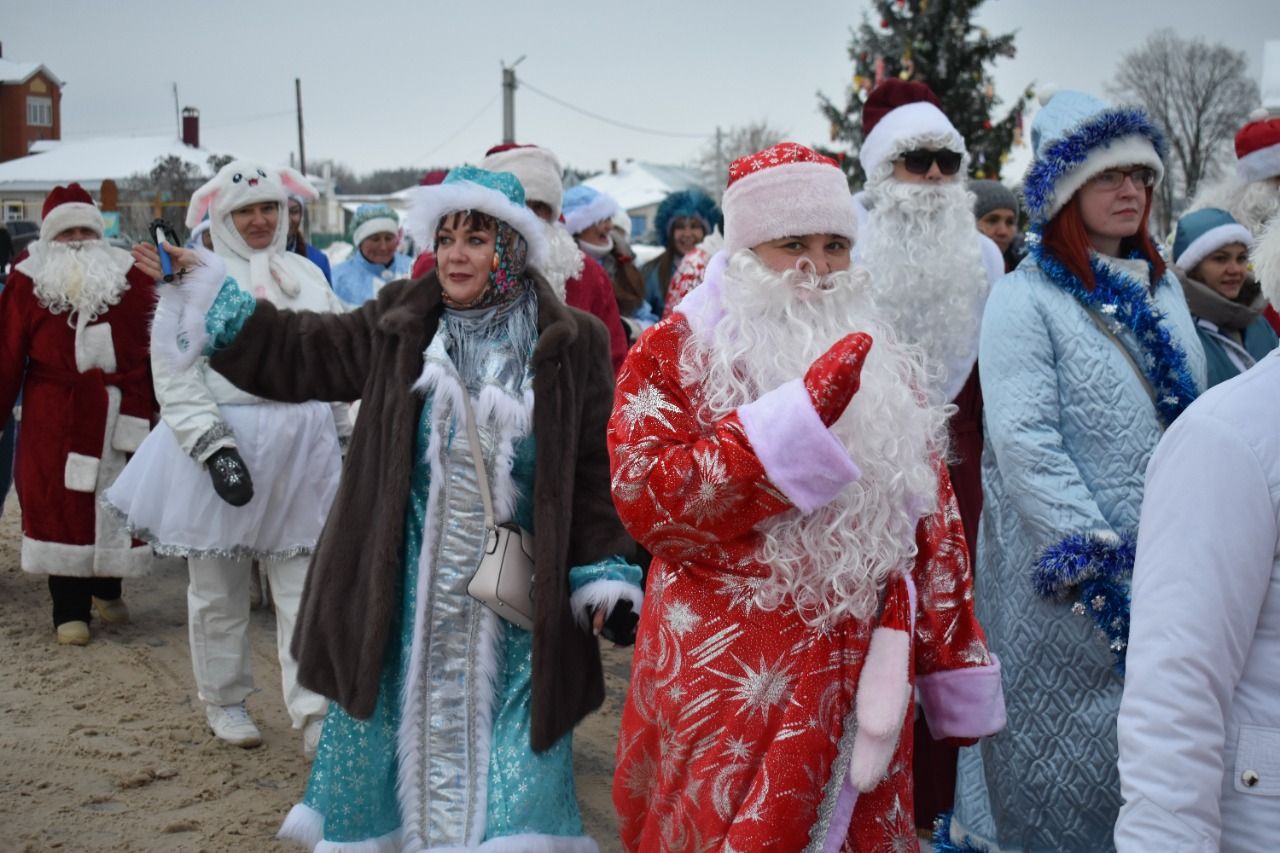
(230, 476)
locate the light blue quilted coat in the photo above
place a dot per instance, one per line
(1069, 429)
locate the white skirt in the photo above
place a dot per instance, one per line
(166, 498)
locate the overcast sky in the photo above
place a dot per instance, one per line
(401, 83)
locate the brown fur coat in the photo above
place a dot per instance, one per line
(374, 354)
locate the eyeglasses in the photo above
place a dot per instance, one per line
(921, 161)
(1113, 179)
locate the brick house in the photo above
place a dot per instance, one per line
(30, 107)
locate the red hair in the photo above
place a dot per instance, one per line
(1067, 240)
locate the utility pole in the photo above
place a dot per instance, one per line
(302, 147)
(177, 115)
(509, 101)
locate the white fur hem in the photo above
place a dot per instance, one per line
(80, 474)
(178, 330)
(84, 561)
(305, 826)
(603, 594)
(129, 433)
(95, 349)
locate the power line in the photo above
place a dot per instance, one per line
(638, 129)
(426, 157)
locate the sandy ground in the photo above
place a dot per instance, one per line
(105, 747)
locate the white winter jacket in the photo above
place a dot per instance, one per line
(1199, 726)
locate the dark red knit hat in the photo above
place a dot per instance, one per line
(69, 207)
(890, 95)
(73, 193)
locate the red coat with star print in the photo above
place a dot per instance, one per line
(739, 722)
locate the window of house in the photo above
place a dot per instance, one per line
(39, 111)
(12, 211)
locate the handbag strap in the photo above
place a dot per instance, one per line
(1124, 350)
(482, 479)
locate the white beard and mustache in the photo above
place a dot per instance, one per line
(564, 258)
(1251, 203)
(832, 563)
(922, 249)
(82, 279)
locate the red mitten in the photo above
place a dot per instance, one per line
(834, 376)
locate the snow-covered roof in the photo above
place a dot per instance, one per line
(20, 72)
(640, 184)
(92, 161)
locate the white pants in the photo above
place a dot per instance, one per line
(218, 613)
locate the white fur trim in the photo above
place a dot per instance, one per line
(909, 121)
(71, 214)
(178, 331)
(374, 226)
(1211, 241)
(129, 433)
(538, 171)
(603, 595)
(304, 825)
(428, 205)
(1260, 165)
(884, 689)
(603, 206)
(1132, 150)
(80, 474)
(530, 843)
(95, 349)
(83, 561)
(791, 200)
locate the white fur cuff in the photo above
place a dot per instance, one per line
(178, 330)
(603, 595)
(129, 433)
(80, 473)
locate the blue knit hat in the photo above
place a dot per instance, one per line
(370, 219)
(1076, 136)
(685, 204)
(467, 188)
(584, 206)
(1203, 232)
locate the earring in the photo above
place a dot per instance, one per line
(494, 266)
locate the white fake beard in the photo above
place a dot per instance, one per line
(1266, 261)
(832, 563)
(925, 259)
(1251, 203)
(564, 258)
(83, 278)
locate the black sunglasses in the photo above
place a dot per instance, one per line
(921, 161)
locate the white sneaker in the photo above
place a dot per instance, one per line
(311, 736)
(233, 724)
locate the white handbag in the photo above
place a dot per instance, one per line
(503, 582)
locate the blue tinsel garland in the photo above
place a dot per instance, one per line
(942, 842)
(1096, 573)
(1064, 155)
(1127, 301)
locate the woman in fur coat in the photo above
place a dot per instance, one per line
(455, 725)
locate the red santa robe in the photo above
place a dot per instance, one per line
(739, 725)
(87, 403)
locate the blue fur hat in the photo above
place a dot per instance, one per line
(1075, 136)
(584, 206)
(468, 188)
(370, 219)
(690, 203)
(1203, 232)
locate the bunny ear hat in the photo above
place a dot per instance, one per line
(240, 183)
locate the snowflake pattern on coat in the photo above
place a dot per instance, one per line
(735, 715)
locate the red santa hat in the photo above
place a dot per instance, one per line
(902, 115)
(537, 168)
(785, 191)
(1258, 147)
(69, 207)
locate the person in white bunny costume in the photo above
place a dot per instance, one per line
(227, 477)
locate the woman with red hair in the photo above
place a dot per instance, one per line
(1087, 354)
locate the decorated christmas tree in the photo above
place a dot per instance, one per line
(935, 42)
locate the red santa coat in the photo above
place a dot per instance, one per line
(87, 403)
(739, 723)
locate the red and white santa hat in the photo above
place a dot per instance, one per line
(785, 191)
(537, 168)
(1258, 147)
(69, 207)
(900, 116)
